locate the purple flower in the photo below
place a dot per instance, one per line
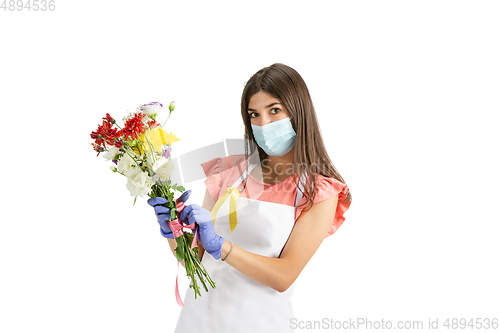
(166, 151)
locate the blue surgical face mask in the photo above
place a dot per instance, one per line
(276, 138)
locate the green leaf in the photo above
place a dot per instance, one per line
(179, 253)
(178, 188)
(170, 196)
(179, 250)
(195, 251)
(189, 239)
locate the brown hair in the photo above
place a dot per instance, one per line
(284, 83)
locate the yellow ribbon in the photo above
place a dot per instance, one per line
(235, 194)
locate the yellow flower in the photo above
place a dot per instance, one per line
(168, 138)
(138, 149)
(152, 139)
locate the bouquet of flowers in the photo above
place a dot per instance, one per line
(141, 151)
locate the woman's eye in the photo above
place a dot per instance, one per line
(255, 114)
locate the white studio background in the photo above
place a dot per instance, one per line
(407, 97)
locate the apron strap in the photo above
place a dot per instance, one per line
(299, 190)
(243, 176)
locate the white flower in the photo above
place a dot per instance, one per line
(127, 166)
(163, 169)
(139, 184)
(130, 115)
(111, 153)
(152, 109)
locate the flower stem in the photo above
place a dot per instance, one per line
(194, 268)
(167, 119)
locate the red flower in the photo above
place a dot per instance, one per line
(105, 134)
(119, 144)
(153, 123)
(109, 119)
(133, 127)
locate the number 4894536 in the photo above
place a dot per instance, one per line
(28, 5)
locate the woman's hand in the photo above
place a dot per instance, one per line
(211, 242)
(163, 213)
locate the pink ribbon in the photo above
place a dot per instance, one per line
(178, 230)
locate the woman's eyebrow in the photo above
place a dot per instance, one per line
(266, 106)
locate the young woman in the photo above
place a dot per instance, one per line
(290, 198)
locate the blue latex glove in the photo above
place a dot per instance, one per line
(163, 213)
(211, 242)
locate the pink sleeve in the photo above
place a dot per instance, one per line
(327, 188)
(214, 171)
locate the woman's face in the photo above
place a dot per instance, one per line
(264, 109)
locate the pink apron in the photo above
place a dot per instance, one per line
(239, 304)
